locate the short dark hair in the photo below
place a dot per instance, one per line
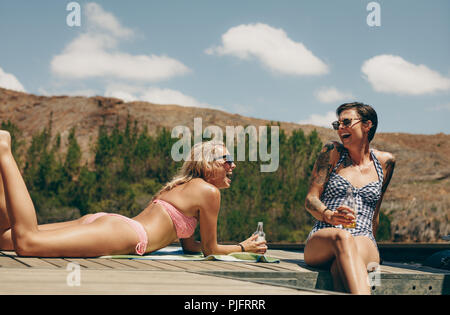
(365, 113)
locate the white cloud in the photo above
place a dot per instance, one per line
(332, 95)
(100, 19)
(393, 74)
(9, 81)
(272, 47)
(94, 54)
(320, 120)
(153, 95)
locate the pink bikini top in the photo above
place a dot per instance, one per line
(184, 225)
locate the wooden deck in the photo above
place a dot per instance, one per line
(24, 275)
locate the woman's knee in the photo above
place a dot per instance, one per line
(5, 142)
(342, 236)
(24, 244)
(343, 241)
(321, 247)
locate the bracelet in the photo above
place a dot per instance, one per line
(242, 247)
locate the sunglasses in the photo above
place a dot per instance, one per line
(228, 159)
(347, 122)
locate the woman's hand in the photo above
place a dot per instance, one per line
(342, 215)
(251, 245)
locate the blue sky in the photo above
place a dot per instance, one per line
(293, 61)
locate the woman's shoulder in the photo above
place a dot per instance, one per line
(333, 146)
(384, 157)
(387, 161)
(203, 188)
(333, 150)
(203, 194)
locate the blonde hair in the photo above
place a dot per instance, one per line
(201, 164)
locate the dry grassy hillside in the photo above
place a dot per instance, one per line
(418, 200)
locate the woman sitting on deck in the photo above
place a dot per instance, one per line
(367, 172)
(193, 195)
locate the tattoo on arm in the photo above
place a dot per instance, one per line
(314, 203)
(323, 166)
(319, 177)
(390, 164)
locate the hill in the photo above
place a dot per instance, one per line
(417, 201)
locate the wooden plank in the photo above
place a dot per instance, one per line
(129, 263)
(125, 263)
(408, 268)
(290, 261)
(220, 266)
(147, 265)
(36, 262)
(396, 270)
(9, 262)
(104, 264)
(293, 266)
(261, 267)
(186, 265)
(242, 266)
(282, 254)
(211, 265)
(114, 263)
(58, 262)
(87, 263)
(42, 281)
(162, 265)
(140, 265)
(97, 263)
(239, 267)
(282, 266)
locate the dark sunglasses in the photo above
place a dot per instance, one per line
(228, 159)
(346, 122)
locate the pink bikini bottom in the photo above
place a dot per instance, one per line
(137, 226)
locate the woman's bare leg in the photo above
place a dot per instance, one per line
(332, 243)
(337, 277)
(368, 252)
(6, 242)
(20, 209)
(107, 235)
(5, 232)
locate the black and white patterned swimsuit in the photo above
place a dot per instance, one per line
(366, 199)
